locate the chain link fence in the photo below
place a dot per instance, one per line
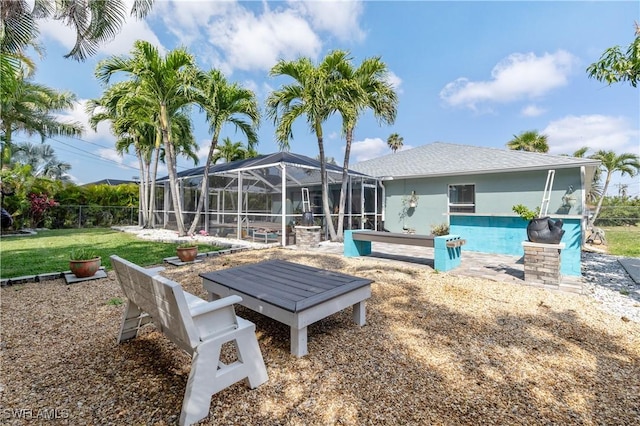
(76, 216)
(618, 216)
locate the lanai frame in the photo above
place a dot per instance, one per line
(269, 182)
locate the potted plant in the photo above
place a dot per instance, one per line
(540, 229)
(525, 212)
(84, 262)
(187, 251)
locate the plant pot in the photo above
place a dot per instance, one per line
(307, 219)
(412, 204)
(545, 230)
(85, 268)
(187, 254)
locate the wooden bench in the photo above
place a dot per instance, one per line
(195, 325)
(447, 248)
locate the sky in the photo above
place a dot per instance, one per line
(473, 73)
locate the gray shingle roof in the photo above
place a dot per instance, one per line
(446, 159)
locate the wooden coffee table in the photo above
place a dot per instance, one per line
(293, 294)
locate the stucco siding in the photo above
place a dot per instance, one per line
(504, 235)
(495, 193)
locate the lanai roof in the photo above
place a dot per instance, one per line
(263, 161)
(446, 159)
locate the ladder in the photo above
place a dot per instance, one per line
(306, 205)
(544, 206)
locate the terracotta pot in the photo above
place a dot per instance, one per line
(85, 268)
(187, 254)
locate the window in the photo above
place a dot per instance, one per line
(462, 198)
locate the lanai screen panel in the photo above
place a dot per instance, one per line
(248, 194)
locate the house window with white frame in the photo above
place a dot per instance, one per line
(462, 198)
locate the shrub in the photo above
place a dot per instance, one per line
(39, 206)
(441, 229)
(525, 212)
(82, 254)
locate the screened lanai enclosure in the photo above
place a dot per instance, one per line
(264, 198)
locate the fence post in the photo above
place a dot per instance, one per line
(79, 216)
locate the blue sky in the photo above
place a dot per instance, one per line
(473, 73)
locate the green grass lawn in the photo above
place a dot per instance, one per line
(623, 240)
(48, 251)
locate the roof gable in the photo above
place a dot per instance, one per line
(445, 159)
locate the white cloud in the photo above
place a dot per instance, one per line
(532, 111)
(519, 76)
(371, 148)
(368, 148)
(339, 18)
(78, 114)
(229, 36)
(111, 155)
(254, 36)
(395, 81)
(252, 42)
(597, 132)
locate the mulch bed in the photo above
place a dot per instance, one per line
(436, 349)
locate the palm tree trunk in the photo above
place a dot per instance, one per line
(203, 187)
(325, 186)
(152, 188)
(142, 189)
(5, 155)
(147, 192)
(170, 156)
(604, 193)
(343, 187)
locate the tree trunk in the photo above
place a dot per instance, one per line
(343, 187)
(5, 155)
(142, 189)
(170, 157)
(604, 193)
(325, 186)
(154, 175)
(203, 187)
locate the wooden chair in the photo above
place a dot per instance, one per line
(195, 325)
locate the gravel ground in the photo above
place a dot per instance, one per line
(437, 349)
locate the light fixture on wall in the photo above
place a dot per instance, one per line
(569, 199)
(413, 199)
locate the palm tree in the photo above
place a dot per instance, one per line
(328, 160)
(95, 22)
(250, 152)
(626, 164)
(314, 94)
(167, 83)
(42, 160)
(595, 189)
(134, 125)
(368, 88)
(530, 141)
(224, 103)
(394, 141)
(30, 107)
(229, 151)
